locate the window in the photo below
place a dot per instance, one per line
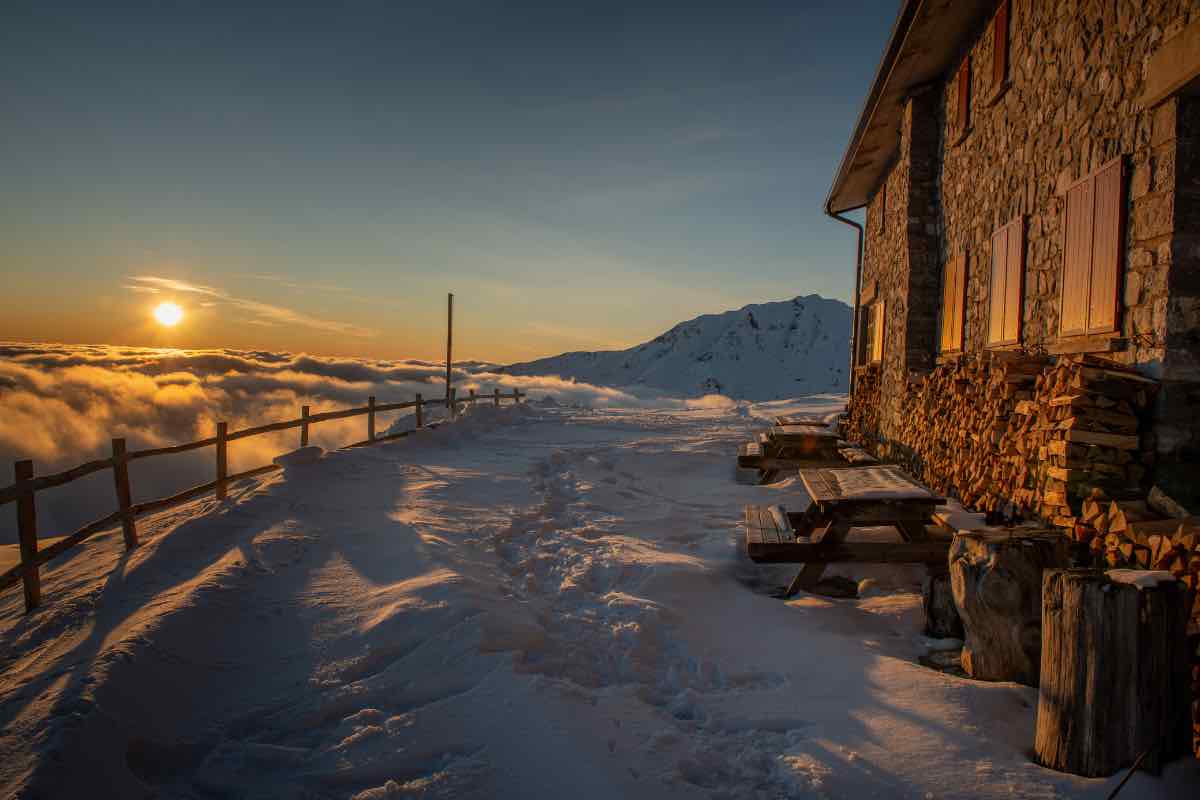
(1092, 246)
(962, 118)
(1007, 286)
(871, 335)
(954, 301)
(1000, 46)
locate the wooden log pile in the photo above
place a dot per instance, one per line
(862, 418)
(1081, 431)
(955, 422)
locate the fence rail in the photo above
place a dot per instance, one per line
(24, 490)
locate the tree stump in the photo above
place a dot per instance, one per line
(1115, 679)
(941, 616)
(997, 583)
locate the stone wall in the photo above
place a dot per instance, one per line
(901, 257)
(1071, 104)
(1075, 78)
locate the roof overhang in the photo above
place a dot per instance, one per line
(927, 39)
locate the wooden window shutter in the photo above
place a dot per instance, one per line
(954, 298)
(1007, 286)
(1014, 281)
(997, 291)
(964, 95)
(1000, 45)
(1077, 259)
(947, 305)
(1107, 245)
(1093, 244)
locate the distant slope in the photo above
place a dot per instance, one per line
(766, 351)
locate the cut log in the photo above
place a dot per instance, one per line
(942, 620)
(1115, 677)
(997, 583)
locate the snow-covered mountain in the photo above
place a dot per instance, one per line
(766, 351)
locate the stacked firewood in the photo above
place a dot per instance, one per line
(1129, 534)
(862, 419)
(1079, 432)
(954, 424)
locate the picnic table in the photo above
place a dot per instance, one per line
(842, 499)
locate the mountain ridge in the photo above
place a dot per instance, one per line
(761, 351)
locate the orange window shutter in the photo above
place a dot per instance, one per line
(1077, 259)
(997, 290)
(1107, 245)
(960, 301)
(1000, 48)
(1014, 281)
(947, 305)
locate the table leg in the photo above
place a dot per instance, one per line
(810, 574)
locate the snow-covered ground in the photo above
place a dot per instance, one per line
(531, 602)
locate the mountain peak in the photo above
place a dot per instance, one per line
(762, 351)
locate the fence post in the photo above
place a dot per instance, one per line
(371, 418)
(222, 458)
(124, 493)
(304, 426)
(453, 403)
(497, 396)
(472, 401)
(420, 411)
(27, 535)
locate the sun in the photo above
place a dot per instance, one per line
(168, 314)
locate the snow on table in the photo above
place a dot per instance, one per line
(886, 482)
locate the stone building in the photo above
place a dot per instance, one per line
(1030, 171)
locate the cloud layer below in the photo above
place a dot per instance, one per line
(60, 405)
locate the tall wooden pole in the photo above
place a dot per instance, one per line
(449, 350)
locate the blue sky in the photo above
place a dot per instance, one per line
(581, 175)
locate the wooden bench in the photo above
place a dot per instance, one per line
(843, 499)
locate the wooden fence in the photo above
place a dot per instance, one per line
(26, 487)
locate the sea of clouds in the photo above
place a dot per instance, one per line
(61, 405)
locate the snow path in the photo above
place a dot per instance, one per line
(528, 603)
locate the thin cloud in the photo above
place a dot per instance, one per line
(263, 313)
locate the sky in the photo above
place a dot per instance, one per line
(316, 177)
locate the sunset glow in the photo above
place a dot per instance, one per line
(168, 314)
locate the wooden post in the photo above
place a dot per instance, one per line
(453, 404)
(304, 426)
(124, 493)
(420, 411)
(472, 398)
(371, 418)
(449, 350)
(1114, 671)
(27, 535)
(222, 459)
(497, 395)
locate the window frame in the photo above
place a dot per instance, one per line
(1001, 44)
(1015, 226)
(955, 265)
(1113, 300)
